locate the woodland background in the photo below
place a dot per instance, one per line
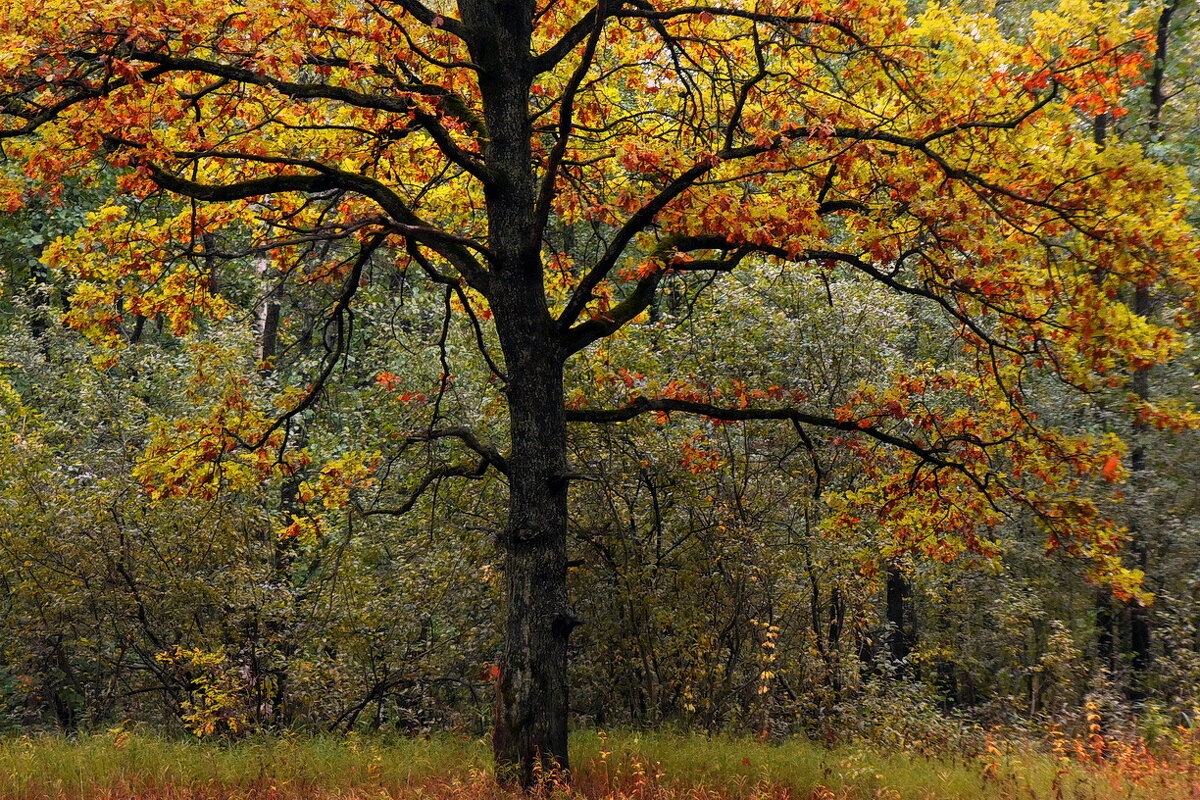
(710, 597)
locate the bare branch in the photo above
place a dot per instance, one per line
(336, 321)
(646, 11)
(437, 277)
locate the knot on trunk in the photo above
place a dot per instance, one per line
(562, 623)
(522, 534)
(563, 479)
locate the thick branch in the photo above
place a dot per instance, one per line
(467, 160)
(636, 222)
(936, 456)
(396, 103)
(617, 317)
(455, 249)
(574, 36)
(643, 293)
(1158, 95)
(241, 190)
(14, 105)
(433, 19)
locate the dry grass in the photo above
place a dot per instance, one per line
(123, 766)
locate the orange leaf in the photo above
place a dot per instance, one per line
(1109, 470)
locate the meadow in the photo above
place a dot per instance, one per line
(123, 765)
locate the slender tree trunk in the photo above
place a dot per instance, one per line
(900, 634)
(1140, 630)
(39, 287)
(266, 323)
(1139, 617)
(1106, 654)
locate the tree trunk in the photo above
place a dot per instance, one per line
(530, 734)
(1106, 653)
(900, 633)
(1139, 618)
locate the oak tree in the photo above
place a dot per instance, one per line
(557, 165)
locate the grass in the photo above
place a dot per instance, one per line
(141, 765)
(657, 766)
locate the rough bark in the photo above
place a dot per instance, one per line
(530, 734)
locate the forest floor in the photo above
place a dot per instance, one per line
(120, 765)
